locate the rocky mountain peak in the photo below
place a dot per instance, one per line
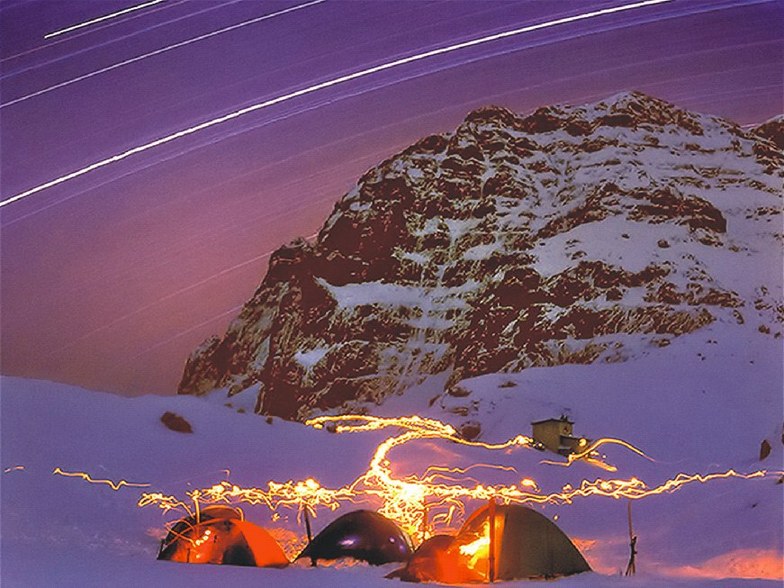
(772, 130)
(571, 234)
(492, 114)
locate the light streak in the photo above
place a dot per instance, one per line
(87, 478)
(158, 52)
(321, 86)
(370, 158)
(184, 332)
(636, 489)
(177, 293)
(8, 73)
(449, 473)
(18, 468)
(491, 98)
(405, 500)
(165, 502)
(102, 18)
(590, 454)
(469, 468)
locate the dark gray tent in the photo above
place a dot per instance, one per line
(363, 535)
(526, 545)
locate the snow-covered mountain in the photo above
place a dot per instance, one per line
(573, 235)
(619, 263)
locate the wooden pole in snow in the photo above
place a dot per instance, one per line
(310, 536)
(631, 567)
(491, 547)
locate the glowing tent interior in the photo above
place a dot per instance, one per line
(432, 562)
(220, 535)
(362, 534)
(525, 544)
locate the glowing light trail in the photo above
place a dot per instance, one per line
(404, 500)
(87, 478)
(589, 454)
(102, 18)
(327, 84)
(159, 51)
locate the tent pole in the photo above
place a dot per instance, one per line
(310, 535)
(196, 509)
(491, 548)
(631, 567)
(424, 521)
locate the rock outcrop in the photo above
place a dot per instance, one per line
(572, 235)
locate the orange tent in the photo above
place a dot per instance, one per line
(433, 562)
(220, 535)
(525, 543)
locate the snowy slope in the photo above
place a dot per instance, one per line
(702, 404)
(697, 416)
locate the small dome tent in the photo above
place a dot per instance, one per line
(220, 535)
(527, 545)
(431, 562)
(362, 534)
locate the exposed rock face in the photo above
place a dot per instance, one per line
(573, 235)
(773, 130)
(176, 423)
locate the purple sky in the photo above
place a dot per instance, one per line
(110, 279)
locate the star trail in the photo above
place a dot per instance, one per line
(170, 146)
(101, 19)
(158, 52)
(310, 89)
